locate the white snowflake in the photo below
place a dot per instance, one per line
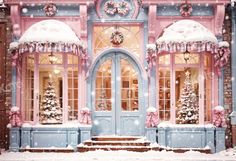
(233, 2)
(24, 10)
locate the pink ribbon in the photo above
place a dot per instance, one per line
(15, 119)
(221, 58)
(151, 119)
(151, 59)
(16, 61)
(84, 58)
(219, 118)
(85, 117)
(14, 58)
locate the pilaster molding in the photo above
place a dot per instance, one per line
(152, 23)
(15, 14)
(219, 19)
(12, 2)
(233, 63)
(150, 2)
(83, 21)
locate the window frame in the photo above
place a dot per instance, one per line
(65, 65)
(172, 66)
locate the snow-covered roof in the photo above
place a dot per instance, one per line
(50, 31)
(187, 31)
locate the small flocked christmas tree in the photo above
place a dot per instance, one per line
(102, 105)
(188, 108)
(51, 112)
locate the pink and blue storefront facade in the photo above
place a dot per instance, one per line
(109, 73)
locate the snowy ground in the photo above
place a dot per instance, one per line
(229, 155)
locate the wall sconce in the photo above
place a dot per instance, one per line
(52, 58)
(186, 56)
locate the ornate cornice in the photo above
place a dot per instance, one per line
(149, 2)
(87, 2)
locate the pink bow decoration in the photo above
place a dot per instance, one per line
(151, 59)
(14, 58)
(219, 117)
(84, 58)
(221, 58)
(85, 116)
(14, 117)
(151, 119)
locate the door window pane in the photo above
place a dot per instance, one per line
(129, 87)
(187, 95)
(103, 87)
(208, 77)
(164, 94)
(164, 59)
(72, 92)
(29, 88)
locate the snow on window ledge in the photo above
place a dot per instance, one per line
(170, 125)
(64, 125)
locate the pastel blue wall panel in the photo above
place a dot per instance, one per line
(14, 139)
(49, 139)
(151, 134)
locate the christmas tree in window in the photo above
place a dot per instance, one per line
(188, 108)
(50, 112)
(102, 104)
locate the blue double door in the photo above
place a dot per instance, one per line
(116, 98)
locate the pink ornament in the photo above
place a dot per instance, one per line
(85, 116)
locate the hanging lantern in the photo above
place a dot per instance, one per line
(186, 56)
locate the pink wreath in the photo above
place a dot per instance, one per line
(186, 9)
(110, 7)
(117, 38)
(123, 8)
(50, 9)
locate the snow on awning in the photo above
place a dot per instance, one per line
(187, 35)
(49, 35)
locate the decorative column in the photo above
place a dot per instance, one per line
(15, 18)
(151, 39)
(219, 19)
(233, 62)
(84, 37)
(221, 82)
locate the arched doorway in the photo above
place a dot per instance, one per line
(117, 96)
